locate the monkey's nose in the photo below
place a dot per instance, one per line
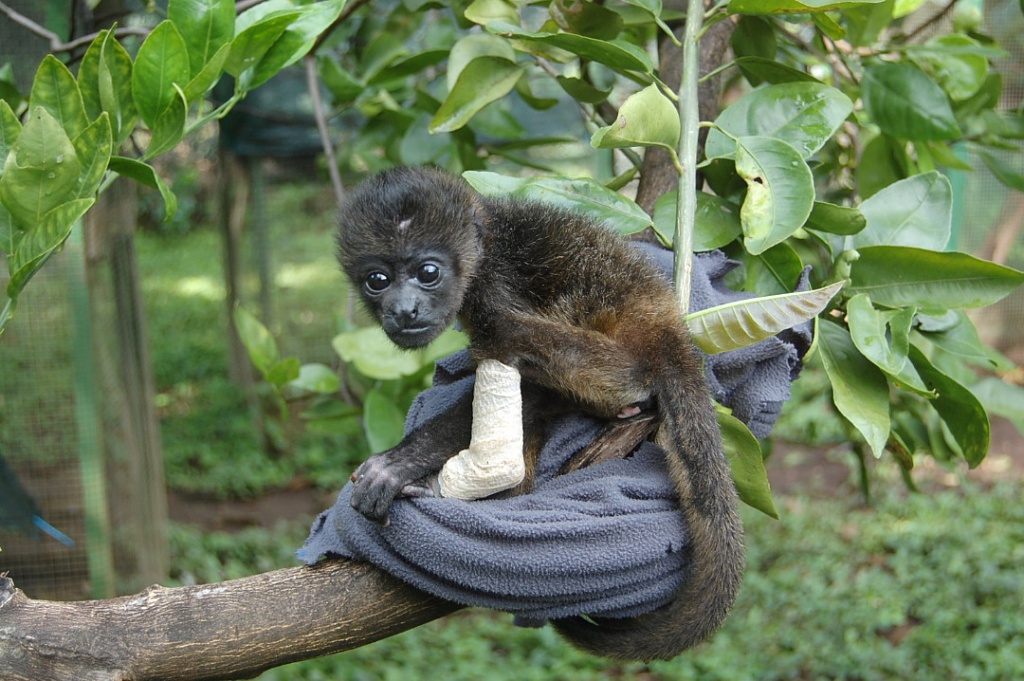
(406, 316)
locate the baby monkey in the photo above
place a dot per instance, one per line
(587, 321)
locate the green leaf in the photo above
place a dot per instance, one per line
(9, 92)
(959, 408)
(115, 89)
(293, 43)
(10, 128)
(257, 339)
(776, 271)
(537, 102)
(946, 156)
(1005, 171)
(208, 77)
(252, 43)
(586, 18)
(780, 191)
(383, 50)
(958, 62)
(865, 23)
(449, 342)
(759, 69)
(93, 148)
(8, 231)
(828, 26)
(482, 81)
(316, 378)
(917, 211)
(960, 339)
(884, 338)
(754, 37)
(382, 421)
(161, 65)
(647, 118)
(718, 221)
(745, 322)
(859, 389)
(169, 127)
(89, 76)
(905, 103)
(371, 352)
(407, 66)
(55, 90)
(582, 90)
(747, 463)
(206, 26)
(105, 79)
(146, 175)
(1002, 399)
(883, 161)
(583, 195)
(985, 99)
(420, 147)
(828, 217)
(803, 114)
(473, 46)
(41, 171)
(901, 276)
(485, 11)
(283, 371)
(342, 85)
(791, 6)
(615, 54)
(41, 241)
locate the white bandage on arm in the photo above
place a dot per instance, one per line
(494, 460)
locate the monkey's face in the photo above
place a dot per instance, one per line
(414, 299)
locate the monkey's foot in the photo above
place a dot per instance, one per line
(494, 460)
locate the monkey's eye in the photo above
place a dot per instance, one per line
(428, 274)
(377, 282)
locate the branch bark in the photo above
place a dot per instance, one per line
(230, 630)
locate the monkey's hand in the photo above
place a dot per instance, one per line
(383, 477)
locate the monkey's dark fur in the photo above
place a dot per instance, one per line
(587, 321)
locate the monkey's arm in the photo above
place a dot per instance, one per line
(420, 454)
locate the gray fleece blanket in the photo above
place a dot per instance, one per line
(604, 541)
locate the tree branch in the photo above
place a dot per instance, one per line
(230, 630)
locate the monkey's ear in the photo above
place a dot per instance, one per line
(478, 216)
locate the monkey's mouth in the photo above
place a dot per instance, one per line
(411, 337)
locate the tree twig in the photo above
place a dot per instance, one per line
(313, 84)
(941, 14)
(56, 44)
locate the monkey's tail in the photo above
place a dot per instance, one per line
(707, 498)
